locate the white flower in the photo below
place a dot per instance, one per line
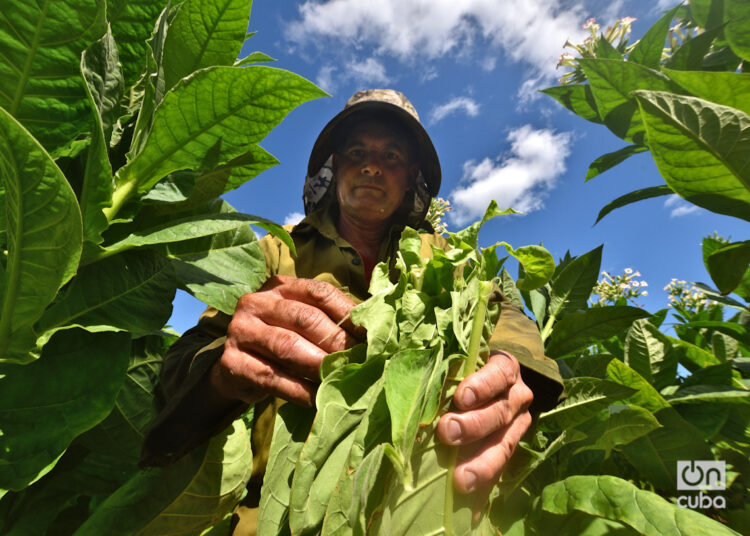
(644, 293)
(628, 271)
(644, 284)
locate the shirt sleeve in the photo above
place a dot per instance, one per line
(517, 334)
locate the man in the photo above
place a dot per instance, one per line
(373, 170)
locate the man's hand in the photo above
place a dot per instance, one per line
(492, 414)
(278, 338)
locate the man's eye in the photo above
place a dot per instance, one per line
(356, 153)
(392, 156)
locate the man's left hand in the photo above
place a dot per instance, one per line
(491, 415)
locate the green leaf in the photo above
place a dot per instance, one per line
(187, 228)
(701, 149)
(253, 58)
(612, 82)
(648, 352)
(538, 265)
(132, 22)
(221, 268)
(648, 50)
(184, 498)
(616, 499)
(655, 456)
(470, 235)
(132, 291)
(645, 395)
(40, 84)
(633, 197)
(571, 287)
(211, 118)
(738, 331)
(509, 289)
(728, 265)
(408, 376)
(204, 33)
(699, 11)
(585, 398)
(43, 236)
(691, 54)
(618, 426)
(578, 330)
(100, 67)
(699, 394)
(737, 30)
(692, 357)
(46, 404)
(342, 398)
(610, 160)
(290, 431)
(578, 99)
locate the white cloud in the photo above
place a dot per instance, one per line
(294, 218)
(468, 105)
(679, 207)
(367, 72)
(519, 179)
(530, 32)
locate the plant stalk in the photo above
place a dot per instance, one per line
(470, 365)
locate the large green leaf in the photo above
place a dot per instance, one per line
(204, 33)
(221, 268)
(585, 397)
(184, 498)
(691, 54)
(132, 22)
(290, 431)
(692, 357)
(571, 288)
(727, 89)
(616, 499)
(737, 30)
(578, 330)
(211, 118)
(649, 48)
(537, 263)
(612, 82)
(645, 395)
(578, 99)
(648, 352)
(132, 291)
(342, 399)
(610, 160)
(655, 456)
(100, 67)
(43, 236)
(617, 426)
(702, 150)
(40, 84)
(728, 265)
(699, 394)
(633, 197)
(46, 404)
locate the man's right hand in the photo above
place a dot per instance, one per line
(278, 338)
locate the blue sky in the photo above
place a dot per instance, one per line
(472, 69)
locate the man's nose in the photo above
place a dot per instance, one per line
(371, 164)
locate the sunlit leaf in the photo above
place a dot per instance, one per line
(585, 397)
(701, 149)
(728, 265)
(610, 160)
(737, 17)
(649, 48)
(633, 197)
(578, 99)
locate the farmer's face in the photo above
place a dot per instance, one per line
(374, 170)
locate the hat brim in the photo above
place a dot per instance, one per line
(429, 163)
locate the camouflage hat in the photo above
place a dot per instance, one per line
(376, 101)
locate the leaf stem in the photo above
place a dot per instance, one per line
(547, 329)
(470, 365)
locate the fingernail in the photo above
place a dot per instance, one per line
(470, 479)
(469, 397)
(454, 430)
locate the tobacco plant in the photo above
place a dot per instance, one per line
(121, 124)
(687, 103)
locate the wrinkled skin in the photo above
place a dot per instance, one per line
(279, 335)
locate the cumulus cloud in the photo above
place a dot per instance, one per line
(679, 207)
(465, 104)
(366, 72)
(520, 179)
(530, 32)
(294, 218)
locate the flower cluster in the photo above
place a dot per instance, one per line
(678, 34)
(683, 295)
(620, 289)
(439, 207)
(615, 34)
